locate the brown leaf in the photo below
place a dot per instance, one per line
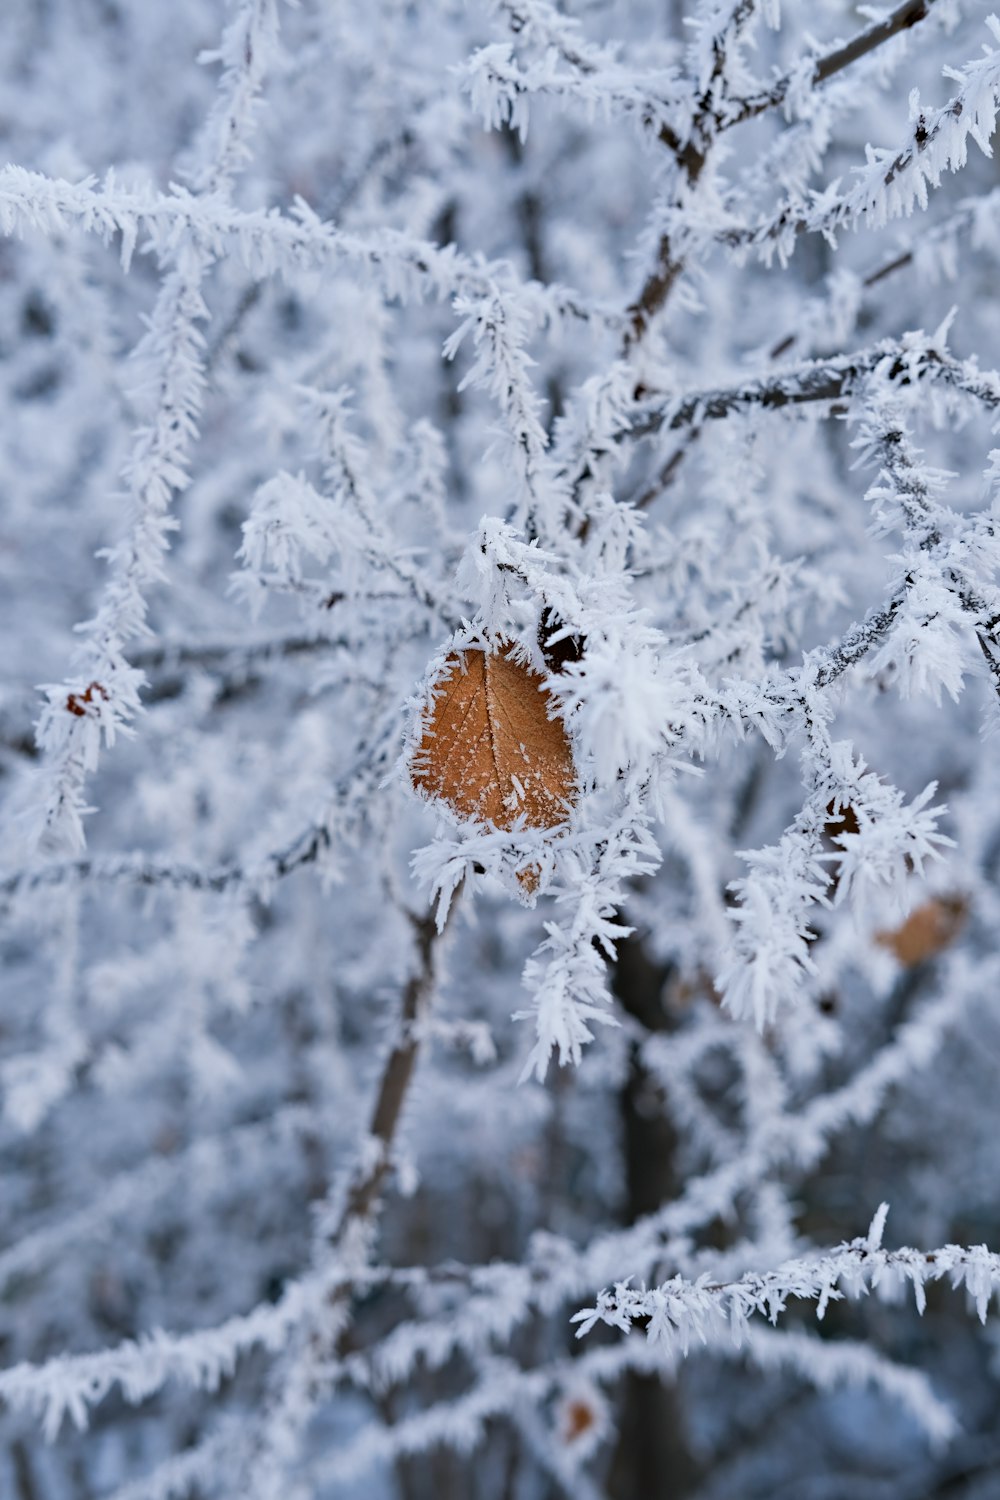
(578, 1417)
(77, 703)
(927, 930)
(489, 748)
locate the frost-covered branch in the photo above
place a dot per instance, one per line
(267, 241)
(501, 90)
(771, 965)
(684, 1313)
(894, 181)
(713, 56)
(816, 381)
(66, 1387)
(247, 50)
(950, 565)
(147, 871)
(809, 383)
(101, 698)
(69, 1385)
(99, 701)
(813, 72)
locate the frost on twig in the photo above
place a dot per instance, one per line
(702, 1311)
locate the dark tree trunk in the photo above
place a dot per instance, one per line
(652, 1459)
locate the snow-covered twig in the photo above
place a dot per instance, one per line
(894, 181)
(686, 1313)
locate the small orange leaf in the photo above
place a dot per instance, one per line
(581, 1421)
(77, 703)
(578, 1418)
(927, 930)
(489, 748)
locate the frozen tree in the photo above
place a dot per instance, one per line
(498, 890)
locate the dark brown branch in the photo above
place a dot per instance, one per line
(691, 155)
(667, 472)
(658, 284)
(364, 1193)
(829, 380)
(817, 381)
(711, 121)
(834, 61)
(363, 1198)
(811, 383)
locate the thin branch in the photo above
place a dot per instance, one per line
(363, 1195)
(971, 212)
(678, 1308)
(818, 381)
(692, 155)
(149, 871)
(901, 19)
(889, 185)
(856, 642)
(231, 655)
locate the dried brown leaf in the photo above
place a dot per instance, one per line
(928, 929)
(578, 1417)
(489, 748)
